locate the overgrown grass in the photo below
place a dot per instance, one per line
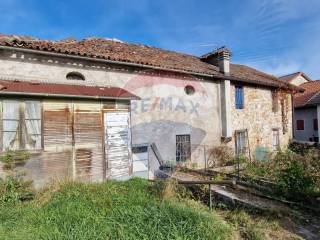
(135, 209)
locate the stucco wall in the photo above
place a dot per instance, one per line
(258, 118)
(299, 80)
(307, 114)
(163, 112)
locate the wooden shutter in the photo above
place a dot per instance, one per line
(88, 135)
(300, 124)
(315, 124)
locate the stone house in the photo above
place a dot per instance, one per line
(97, 108)
(306, 107)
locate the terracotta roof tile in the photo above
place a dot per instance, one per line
(312, 88)
(138, 54)
(52, 89)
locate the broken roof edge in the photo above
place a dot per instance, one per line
(219, 76)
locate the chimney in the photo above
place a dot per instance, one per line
(220, 58)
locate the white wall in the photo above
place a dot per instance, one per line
(298, 80)
(306, 114)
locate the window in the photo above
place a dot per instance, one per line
(183, 148)
(239, 97)
(275, 139)
(33, 124)
(11, 125)
(189, 90)
(241, 142)
(21, 125)
(75, 76)
(275, 102)
(300, 124)
(315, 124)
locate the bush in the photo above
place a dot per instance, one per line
(13, 190)
(220, 156)
(294, 180)
(295, 176)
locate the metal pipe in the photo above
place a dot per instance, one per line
(65, 96)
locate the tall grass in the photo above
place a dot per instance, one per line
(110, 210)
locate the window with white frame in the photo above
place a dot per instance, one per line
(241, 142)
(21, 125)
(275, 139)
(183, 148)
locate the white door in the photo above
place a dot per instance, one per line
(117, 145)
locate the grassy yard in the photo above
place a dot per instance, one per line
(135, 209)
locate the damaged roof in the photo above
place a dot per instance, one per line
(35, 88)
(311, 95)
(100, 48)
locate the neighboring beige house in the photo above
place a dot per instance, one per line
(91, 109)
(306, 107)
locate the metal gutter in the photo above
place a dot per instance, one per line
(66, 96)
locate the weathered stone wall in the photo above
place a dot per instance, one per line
(259, 119)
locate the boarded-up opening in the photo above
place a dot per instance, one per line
(117, 141)
(88, 141)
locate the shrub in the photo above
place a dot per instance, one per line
(13, 189)
(220, 156)
(294, 179)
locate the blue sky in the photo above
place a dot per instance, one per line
(277, 36)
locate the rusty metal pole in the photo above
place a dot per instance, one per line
(205, 158)
(210, 197)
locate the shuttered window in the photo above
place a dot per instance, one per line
(300, 124)
(275, 139)
(315, 124)
(275, 102)
(239, 97)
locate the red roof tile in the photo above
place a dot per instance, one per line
(52, 89)
(139, 54)
(312, 88)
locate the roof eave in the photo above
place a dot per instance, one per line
(215, 76)
(55, 95)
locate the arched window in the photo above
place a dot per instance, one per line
(75, 76)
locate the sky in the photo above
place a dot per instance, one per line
(276, 36)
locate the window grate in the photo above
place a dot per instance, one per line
(183, 148)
